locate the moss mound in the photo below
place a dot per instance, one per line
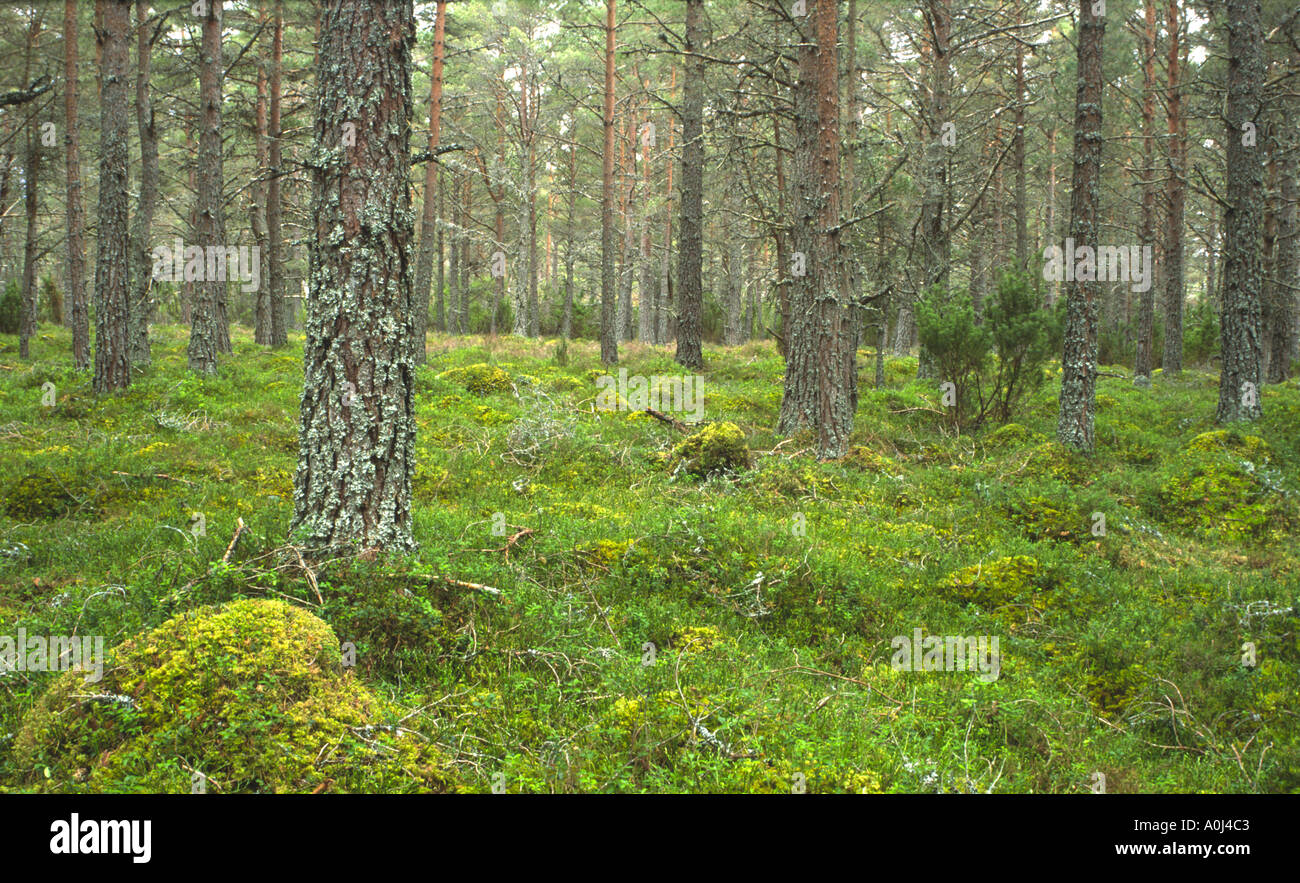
(481, 379)
(1219, 495)
(251, 694)
(1247, 447)
(718, 447)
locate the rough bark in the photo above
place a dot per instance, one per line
(1239, 378)
(31, 195)
(1074, 427)
(1287, 265)
(1172, 358)
(257, 213)
(357, 435)
(820, 390)
(112, 262)
(275, 233)
(608, 329)
(210, 330)
(690, 238)
(429, 222)
(141, 300)
(1147, 305)
(78, 312)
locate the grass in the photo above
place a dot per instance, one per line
(658, 630)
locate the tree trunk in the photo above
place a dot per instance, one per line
(1172, 359)
(257, 216)
(78, 311)
(1287, 265)
(142, 304)
(1147, 306)
(357, 437)
(275, 233)
(608, 329)
(690, 239)
(31, 194)
(210, 331)
(820, 374)
(1239, 379)
(935, 243)
(1074, 427)
(112, 262)
(429, 223)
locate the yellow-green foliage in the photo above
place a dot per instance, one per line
(1012, 435)
(1214, 489)
(1247, 447)
(995, 583)
(869, 461)
(779, 776)
(252, 694)
(717, 447)
(42, 495)
(1050, 459)
(481, 379)
(485, 416)
(1042, 519)
(695, 639)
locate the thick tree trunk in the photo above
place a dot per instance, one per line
(357, 436)
(141, 298)
(78, 311)
(1239, 380)
(820, 374)
(112, 262)
(429, 223)
(210, 331)
(1074, 427)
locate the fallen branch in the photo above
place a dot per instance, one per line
(671, 421)
(240, 527)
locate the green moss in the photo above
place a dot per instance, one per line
(869, 461)
(1044, 519)
(40, 495)
(251, 694)
(718, 447)
(1216, 494)
(480, 379)
(1248, 447)
(995, 583)
(1012, 435)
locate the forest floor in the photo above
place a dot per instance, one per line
(771, 593)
